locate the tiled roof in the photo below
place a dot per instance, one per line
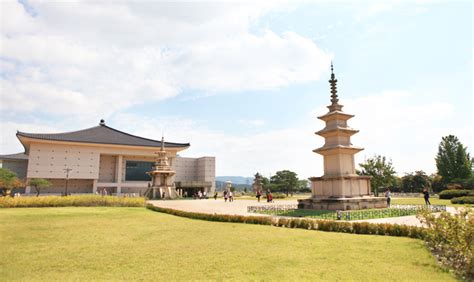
(101, 134)
(17, 156)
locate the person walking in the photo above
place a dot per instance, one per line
(388, 195)
(225, 196)
(270, 197)
(215, 196)
(426, 195)
(231, 196)
(259, 194)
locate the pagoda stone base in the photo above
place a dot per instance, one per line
(167, 191)
(333, 204)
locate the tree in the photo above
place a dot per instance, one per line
(415, 182)
(381, 170)
(38, 184)
(453, 161)
(267, 185)
(303, 186)
(8, 181)
(437, 184)
(285, 181)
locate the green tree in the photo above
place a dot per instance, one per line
(437, 184)
(415, 182)
(8, 181)
(303, 186)
(381, 170)
(453, 161)
(38, 184)
(285, 181)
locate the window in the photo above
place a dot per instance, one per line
(136, 171)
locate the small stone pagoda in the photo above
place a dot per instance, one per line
(257, 185)
(340, 188)
(161, 182)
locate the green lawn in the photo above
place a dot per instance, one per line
(138, 244)
(421, 201)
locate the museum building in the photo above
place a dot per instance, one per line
(102, 158)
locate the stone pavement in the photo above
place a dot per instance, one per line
(239, 207)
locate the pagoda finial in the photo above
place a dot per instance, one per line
(333, 82)
(334, 99)
(162, 142)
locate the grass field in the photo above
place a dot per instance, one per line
(421, 201)
(77, 243)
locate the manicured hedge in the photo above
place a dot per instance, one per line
(74, 201)
(449, 194)
(306, 223)
(463, 200)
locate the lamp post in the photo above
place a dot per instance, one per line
(67, 170)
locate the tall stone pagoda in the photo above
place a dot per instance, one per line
(161, 185)
(340, 188)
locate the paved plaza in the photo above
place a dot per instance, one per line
(239, 207)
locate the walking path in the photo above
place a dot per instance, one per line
(239, 207)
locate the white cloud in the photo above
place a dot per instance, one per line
(107, 56)
(406, 129)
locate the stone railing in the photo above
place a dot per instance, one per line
(394, 211)
(272, 209)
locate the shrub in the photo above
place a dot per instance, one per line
(463, 200)
(276, 196)
(451, 238)
(305, 223)
(75, 201)
(449, 194)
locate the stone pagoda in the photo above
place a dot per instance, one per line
(340, 188)
(161, 181)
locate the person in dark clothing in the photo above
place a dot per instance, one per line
(426, 195)
(215, 196)
(388, 195)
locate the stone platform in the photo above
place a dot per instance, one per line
(333, 204)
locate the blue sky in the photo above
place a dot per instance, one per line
(243, 81)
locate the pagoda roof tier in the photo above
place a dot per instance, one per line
(161, 172)
(335, 115)
(336, 130)
(337, 149)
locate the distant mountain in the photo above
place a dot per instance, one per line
(235, 179)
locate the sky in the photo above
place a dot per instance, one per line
(243, 82)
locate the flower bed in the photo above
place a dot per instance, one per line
(75, 201)
(393, 211)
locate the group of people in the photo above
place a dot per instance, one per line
(425, 192)
(200, 195)
(268, 195)
(228, 195)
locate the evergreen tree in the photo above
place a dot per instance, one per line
(285, 181)
(453, 161)
(381, 170)
(38, 184)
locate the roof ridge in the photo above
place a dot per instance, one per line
(101, 134)
(148, 139)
